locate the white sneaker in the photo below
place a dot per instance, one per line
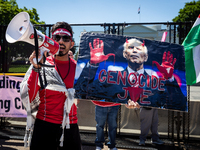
(98, 148)
(112, 148)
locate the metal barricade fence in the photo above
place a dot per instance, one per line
(18, 53)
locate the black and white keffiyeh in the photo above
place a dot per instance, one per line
(55, 83)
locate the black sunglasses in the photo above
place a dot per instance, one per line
(65, 38)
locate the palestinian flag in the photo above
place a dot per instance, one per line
(192, 54)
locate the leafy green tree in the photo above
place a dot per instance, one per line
(34, 16)
(189, 13)
(186, 18)
(8, 9)
(22, 50)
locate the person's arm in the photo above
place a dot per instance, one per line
(32, 84)
(26, 91)
(29, 84)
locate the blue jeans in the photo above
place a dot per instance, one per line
(101, 114)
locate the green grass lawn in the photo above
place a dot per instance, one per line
(18, 68)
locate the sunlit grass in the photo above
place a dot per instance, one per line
(18, 68)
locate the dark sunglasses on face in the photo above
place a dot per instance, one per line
(65, 38)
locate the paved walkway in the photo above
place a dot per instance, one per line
(12, 144)
(12, 139)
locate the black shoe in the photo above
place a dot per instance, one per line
(142, 143)
(158, 142)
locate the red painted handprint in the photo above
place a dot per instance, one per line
(97, 55)
(167, 66)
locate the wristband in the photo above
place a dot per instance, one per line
(36, 69)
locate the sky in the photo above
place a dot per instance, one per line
(103, 11)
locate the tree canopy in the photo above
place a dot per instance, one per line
(9, 8)
(190, 12)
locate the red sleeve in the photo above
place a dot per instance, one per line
(33, 86)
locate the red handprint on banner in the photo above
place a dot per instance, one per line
(167, 66)
(97, 55)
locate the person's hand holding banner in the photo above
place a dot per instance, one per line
(131, 104)
(97, 55)
(167, 66)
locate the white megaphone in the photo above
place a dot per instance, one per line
(21, 29)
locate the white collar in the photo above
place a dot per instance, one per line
(141, 71)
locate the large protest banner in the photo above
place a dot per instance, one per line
(10, 102)
(115, 68)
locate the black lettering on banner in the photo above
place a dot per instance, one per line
(7, 105)
(7, 83)
(1, 104)
(18, 103)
